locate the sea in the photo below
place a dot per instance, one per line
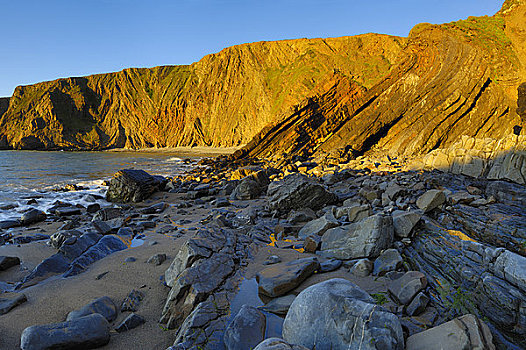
(28, 178)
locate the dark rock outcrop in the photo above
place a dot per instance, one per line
(131, 185)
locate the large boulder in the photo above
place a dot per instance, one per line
(87, 332)
(278, 279)
(339, 315)
(32, 217)
(363, 239)
(298, 191)
(246, 330)
(465, 332)
(131, 185)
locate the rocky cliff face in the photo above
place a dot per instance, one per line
(222, 100)
(454, 79)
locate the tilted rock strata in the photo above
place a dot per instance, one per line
(222, 100)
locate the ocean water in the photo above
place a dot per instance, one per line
(26, 175)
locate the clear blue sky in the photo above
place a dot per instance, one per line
(48, 39)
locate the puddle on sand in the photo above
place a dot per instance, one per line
(248, 294)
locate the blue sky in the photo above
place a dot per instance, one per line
(46, 40)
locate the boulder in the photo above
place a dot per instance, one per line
(131, 185)
(363, 239)
(7, 262)
(405, 221)
(389, 260)
(246, 330)
(465, 332)
(431, 200)
(103, 306)
(277, 344)
(9, 303)
(132, 321)
(298, 191)
(362, 268)
(319, 226)
(406, 287)
(339, 315)
(311, 243)
(280, 278)
(87, 332)
(251, 186)
(32, 217)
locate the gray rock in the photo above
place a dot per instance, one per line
(251, 186)
(298, 191)
(132, 301)
(246, 330)
(131, 185)
(407, 286)
(106, 214)
(430, 200)
(362, 268)
(9, 303)
(418, 305)
(157, 259)
(273, 259)
(67, 211)
(51, 266)
(130, 322)
(511, 267)
(7, 262)
(278, 279)
(87, 332)
(389, 260)
(337, 314)
(277, 344)
(5, 224)
(101, 227)
(366, 238)
(319, 226)
(155, 209)
(32, 216)
(103, 306)
(330, 265)
(466, 332)
(301, 215)
(93, 208)
(280, 305)
(405, 221)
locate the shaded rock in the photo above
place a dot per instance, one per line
(354, 213)
(131, 185)
(157, 259)
(51, 266)
(155, 209)
(132, 321)
(431, 200)
(418, 305)
(337, 314)
(330, 265)
(280, 305)
(9, 303)
(277, 344)
(298, 191)
(251, 186)
(87, 332)
(67, 211)
(278, 279)
(103, 306)
(362, 268)
(406, 287)
(9, 224)
(93, 208)
(389, 260)
(404, 222)
(301, 215)
(32, 216)
(104, 247)
(366, 238)
(132, 301)
(466, 332)
(73, 246)
(29, 238)
(7, 262)
(312, 243)
(101, 227)
(106, 214)
(246, 330)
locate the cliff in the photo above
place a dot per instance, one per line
(222, 100)
(455, 79)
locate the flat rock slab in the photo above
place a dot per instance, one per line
(431, 200)
(406, 287)
(278, 279)
(87, 332)
(465, 332)
(7, 262)
(103, 306)
(8, 304)
(279, 306)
